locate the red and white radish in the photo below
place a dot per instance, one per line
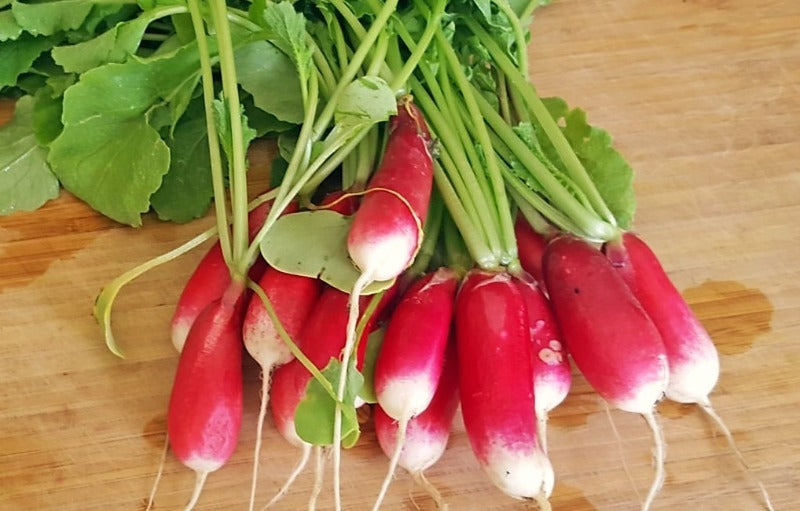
(205, 407)
(292, 298)
(427, 433)
(411, 358)
(496, 388)
(692, 357)
(321, 338)
(387, 228)
(211, 278)
(609, 335)
(551, 370)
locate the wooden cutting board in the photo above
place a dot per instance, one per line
(703, 97)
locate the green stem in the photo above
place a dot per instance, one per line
(459, 169)
(519, 35)
(586, 221)
(238, 171)
(457, 253)
(433, 224)
(215, 155)
(573, 165)
(418, 52)
(503, 207)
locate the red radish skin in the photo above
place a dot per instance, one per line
(385, 235)
(322, 337)
(693, 359)
(205, 407)
(411, 358)
(496, 388)
(530, 248)
(552, 376)
(210, 279)
(292, 298)
(610, 337)
(426, 434)
(691, 354)
(387, 229)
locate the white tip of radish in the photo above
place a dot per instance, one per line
(645, 394)
(263, 342)
(384, 257)
(180, 331)
(691, 380)
(406, 397)
(549, 392)
(521, 475)
(200, 464)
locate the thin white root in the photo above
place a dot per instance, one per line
(319, 475)
(430, 489)
(542, 432)
(262, 412)
(352, 321)
(659, 443)
(400, 439)
(706, 407)
(198, 488)
(298, 469)
(621, 452)
(159, 473)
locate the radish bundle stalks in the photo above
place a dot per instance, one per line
(691, 354)
(426, 434)
(293, 298)
(411, 358)
(386, 232)
(550, 368)
(611, 338)
(493, 344)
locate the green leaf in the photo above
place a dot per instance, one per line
(288, 32)
(26, 181)
(261, 121)
(314, 244)
(114, 45)
(271, 78)
(108, 154)
(374, 343)
(222, 119)
(16, 57)
(48, 18)
(47, 116)
(314, 416)
(367, 100)
(609, 171)
(186, 190)
(9, 28)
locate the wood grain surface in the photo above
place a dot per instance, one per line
(703, 98)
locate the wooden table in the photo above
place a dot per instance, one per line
(703, 97)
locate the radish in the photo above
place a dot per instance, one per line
(551, 371)
(426, 434)
(497, 399)
(210, 279)
(611, 338)
(321, 338)
(691, 354)
(530, 246)
(411, 357)
(205, 407)
(292, 298)
(387, 228)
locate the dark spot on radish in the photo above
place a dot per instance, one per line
(733, 314)
(155, 430)
(577, 291)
